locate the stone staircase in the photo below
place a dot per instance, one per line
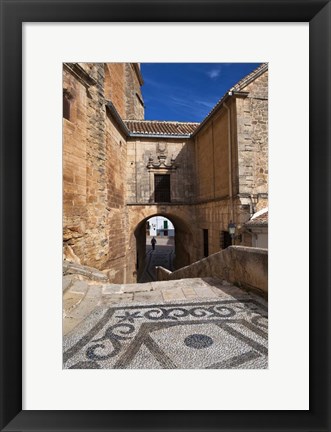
(190, 323)
(84, 290)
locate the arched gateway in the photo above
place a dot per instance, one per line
(185, 251)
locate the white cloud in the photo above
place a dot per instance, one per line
(214, 73)
(206, 104)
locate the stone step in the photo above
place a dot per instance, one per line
(167, 291)
(73, 295)
(70, 301)
(80, 286)
(82, 297)
(82, 289)
(79, 301)
(68, 281)
(110, 289)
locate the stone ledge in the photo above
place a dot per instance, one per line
(88, 272)
(243, 266)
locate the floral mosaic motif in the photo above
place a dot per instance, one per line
(123, 331)
(175, 313)
(114, 339)
(129, 316)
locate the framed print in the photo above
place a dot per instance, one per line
(41, 41)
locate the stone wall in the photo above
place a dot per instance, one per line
(74, 160)
(214, 217)
(217, 179)
(212, 158)
(94, 248)
(252, 130)
(123, 87)
(134, 101)
(243, 266)
(232, 167)
(83, 156)
(115, 204)
(140, 179)
(94, 170)
(115, 86)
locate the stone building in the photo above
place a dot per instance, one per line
(119, 169)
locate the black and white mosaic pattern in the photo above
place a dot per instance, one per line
(220, 334)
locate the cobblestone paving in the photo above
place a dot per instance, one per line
(222, 327)
(163, 255)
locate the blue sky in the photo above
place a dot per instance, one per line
(187, 91)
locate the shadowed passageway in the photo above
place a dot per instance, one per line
(163, 255)
(173, 250)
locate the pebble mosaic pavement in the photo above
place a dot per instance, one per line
(220, 333)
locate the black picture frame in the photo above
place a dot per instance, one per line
(13, 14)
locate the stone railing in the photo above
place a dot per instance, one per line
(243, 266)
(71, 268)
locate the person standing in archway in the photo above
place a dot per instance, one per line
(153, 242)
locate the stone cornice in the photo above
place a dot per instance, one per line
(82, 76)
(138, 72)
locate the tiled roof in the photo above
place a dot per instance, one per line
(178, 129)
(149, 127)
(259, 219)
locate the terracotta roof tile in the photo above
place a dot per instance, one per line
(153, 127)
(173, 128)
(261, 219)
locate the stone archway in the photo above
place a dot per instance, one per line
(184, 242)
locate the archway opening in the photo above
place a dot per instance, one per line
(160, 246)
(173, 248)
